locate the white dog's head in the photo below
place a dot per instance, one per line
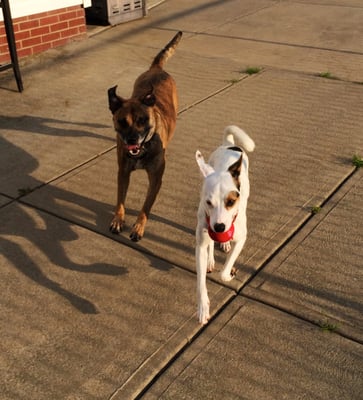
(220, 196)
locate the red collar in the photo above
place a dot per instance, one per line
(221, 237)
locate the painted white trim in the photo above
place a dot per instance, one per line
(21, 8)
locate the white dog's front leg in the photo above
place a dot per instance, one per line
(202, 293)
(231, 259)
(210, 259)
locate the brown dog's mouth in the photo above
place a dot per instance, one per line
(133, 149)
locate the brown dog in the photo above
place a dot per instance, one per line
(144, 124)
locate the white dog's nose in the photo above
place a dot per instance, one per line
(219, 227)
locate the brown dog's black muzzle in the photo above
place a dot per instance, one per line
(134, 143)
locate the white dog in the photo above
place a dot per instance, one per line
(222, 209)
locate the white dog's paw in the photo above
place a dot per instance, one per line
(225, 247)
(227, 276)
(203, 312)
(210, 265)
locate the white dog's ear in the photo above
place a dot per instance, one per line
(205, 168)
(235, 169)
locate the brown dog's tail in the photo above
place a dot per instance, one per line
(167, 51)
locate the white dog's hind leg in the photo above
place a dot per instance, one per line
(226, 274)
(225, 247)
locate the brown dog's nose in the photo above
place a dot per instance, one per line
(219, 227)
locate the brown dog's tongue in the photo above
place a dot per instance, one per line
(133, 149)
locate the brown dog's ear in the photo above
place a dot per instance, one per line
(114, 102)
(149, 100)
(235, 169)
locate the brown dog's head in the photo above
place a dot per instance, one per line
(133, 119)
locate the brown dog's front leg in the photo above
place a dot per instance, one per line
(155, 179)
(123, 179)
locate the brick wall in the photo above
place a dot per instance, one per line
(40, 32)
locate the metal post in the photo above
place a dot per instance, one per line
(4, 4)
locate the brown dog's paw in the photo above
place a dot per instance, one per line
(137, 232)
(116, 224)
(135, 237)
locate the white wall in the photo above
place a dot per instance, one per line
(21, 8)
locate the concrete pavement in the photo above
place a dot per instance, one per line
(89, 315)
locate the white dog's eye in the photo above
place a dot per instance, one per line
(209, 203)
(231, 199)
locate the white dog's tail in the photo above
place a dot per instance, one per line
(233, 135)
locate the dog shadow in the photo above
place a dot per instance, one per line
(48, 227)
(51, 127)
(44, 230)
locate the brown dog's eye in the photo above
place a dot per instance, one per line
(141, 121)
(123, 123)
